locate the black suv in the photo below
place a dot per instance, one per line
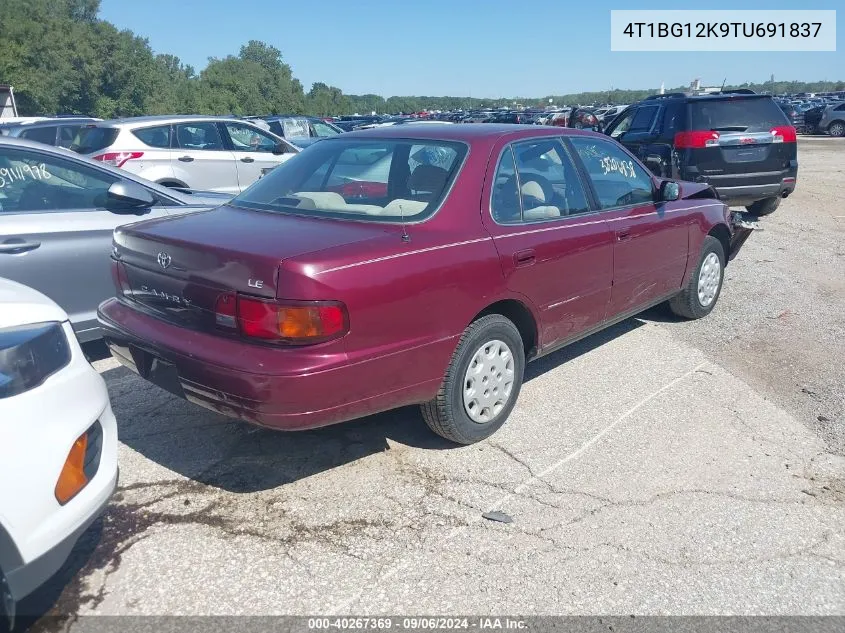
(739, 142)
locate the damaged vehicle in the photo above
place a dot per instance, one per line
(309, 299)
(739, 142)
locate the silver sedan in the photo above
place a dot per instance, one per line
(57, 214)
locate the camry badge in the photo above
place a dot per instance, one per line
(164, 259)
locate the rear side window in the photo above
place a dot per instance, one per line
(535, 181)
(45, 135)
(736, 115)
(158, 136)
(93, 139)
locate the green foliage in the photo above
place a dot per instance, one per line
(62, 59)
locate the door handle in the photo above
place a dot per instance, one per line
(524, 258)
(13, 248)
(623, 236)
(247, 159)
(186, 159)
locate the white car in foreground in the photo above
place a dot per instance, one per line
(58, 442)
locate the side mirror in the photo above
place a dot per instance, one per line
(125, 195)
(280, 148)
(669, 191)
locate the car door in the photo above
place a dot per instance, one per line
(256, 152)
(56, 230)
(553, 247)
(201, 158)
(651, 241)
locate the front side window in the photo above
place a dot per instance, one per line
(33, 182)
(383, 180)
(622, 124)
(246, 138)
(617, 179)
(202, 136)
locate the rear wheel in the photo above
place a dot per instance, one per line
(699, 297)
(764, 207)
(837, 128)
(481, 384)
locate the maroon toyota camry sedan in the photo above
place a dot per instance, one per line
(422, 265)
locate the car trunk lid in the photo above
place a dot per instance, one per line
(179, 268)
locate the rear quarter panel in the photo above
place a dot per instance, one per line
(409, 302)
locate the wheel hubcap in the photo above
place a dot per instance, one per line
(488, 382)
(709, 279)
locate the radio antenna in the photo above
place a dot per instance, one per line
(405, 237)
(722, 89)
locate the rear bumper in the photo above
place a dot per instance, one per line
(744, 189)
(292, 397)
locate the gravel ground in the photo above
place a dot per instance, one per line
(780, 324)
(659, 467)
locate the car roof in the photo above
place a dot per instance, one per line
(465, 132)
(51, 122)
(166, 119)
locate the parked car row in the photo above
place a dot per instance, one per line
(305, 299)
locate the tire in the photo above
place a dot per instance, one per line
(447, 415)
(837, 128)
(690, 303)
(764, 207)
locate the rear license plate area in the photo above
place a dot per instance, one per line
(157, 371)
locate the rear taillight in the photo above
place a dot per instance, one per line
(784, 134)
(117, 159)
(295, 322)
(120, 278)
(696, 139)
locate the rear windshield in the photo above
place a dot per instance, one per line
(384, 180)
(93, 139)
(737, 115)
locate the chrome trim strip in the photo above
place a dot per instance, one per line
(397, 255)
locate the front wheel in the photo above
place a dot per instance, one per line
(481, 384)
(837, 128)
(701, 293)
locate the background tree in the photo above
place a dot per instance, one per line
(62, 59)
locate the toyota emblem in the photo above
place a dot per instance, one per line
(164, 260)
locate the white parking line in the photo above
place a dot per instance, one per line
(343, 608)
